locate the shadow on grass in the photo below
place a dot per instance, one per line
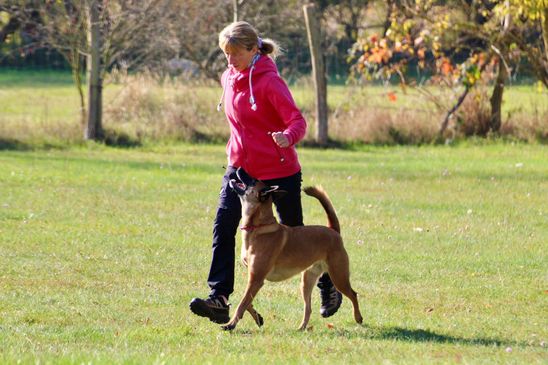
(111, 140)
(420, 335)
(120, 140)
(10, 144)
(13, 144)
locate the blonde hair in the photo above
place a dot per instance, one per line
(244, 35)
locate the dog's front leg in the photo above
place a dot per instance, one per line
(253, 285)
(256, 316)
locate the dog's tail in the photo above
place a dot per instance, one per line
(318, 193)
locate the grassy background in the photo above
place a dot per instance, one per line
(43, 108)
(102, 249)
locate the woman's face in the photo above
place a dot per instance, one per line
(239, 58)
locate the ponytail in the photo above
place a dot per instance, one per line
(269, 47)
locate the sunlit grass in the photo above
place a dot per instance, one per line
(45, 106)
(102, 249)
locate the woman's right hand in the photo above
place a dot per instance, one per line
(280, 139)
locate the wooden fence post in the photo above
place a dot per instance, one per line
(95, 105)
(318, 71)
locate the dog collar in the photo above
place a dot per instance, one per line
(250, 228)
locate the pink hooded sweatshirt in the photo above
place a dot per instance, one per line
(257, 103)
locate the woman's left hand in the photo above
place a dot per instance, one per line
(280, 139)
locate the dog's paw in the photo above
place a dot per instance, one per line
(228, 327)
(260, 320)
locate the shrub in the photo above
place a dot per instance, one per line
(145, 107)
(473, 116)
(148, 108)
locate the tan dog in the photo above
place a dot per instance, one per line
(276, 252)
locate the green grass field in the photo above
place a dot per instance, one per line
(102, 249)
(42, 96)
(43, 108)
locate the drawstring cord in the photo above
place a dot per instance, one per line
(251, 97)
(220, 105)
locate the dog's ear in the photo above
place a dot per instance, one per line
(233, 176)
(271, 191)
(244, 177)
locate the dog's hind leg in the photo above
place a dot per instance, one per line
(308, 280)
(256, 316)
(338, 268)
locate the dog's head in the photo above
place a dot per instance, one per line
(253, 192)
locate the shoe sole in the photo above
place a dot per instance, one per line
(327, 314)
(199, 310)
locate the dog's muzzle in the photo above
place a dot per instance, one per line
(240, 181)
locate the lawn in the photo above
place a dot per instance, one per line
(51, 96)
(101, 250)
(44, 108)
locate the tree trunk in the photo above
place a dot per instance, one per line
(502, 74)
(236, 11)
(236, 7)
(318, 71)
(496, 97)
(388, 18)
(460, 100)
(94, 125)
(76, 65)
(450, 113)
(545, 32)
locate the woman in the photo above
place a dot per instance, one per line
(265, 124)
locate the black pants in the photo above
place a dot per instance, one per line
(229, 213)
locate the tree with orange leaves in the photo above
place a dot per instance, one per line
(456, 42)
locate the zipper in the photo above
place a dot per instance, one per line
(242, 133)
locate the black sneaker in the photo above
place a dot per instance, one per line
(215, 308)
(331, 300)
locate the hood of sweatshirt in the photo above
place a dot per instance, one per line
(241, 79)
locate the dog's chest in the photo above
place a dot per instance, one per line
(243, 251)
